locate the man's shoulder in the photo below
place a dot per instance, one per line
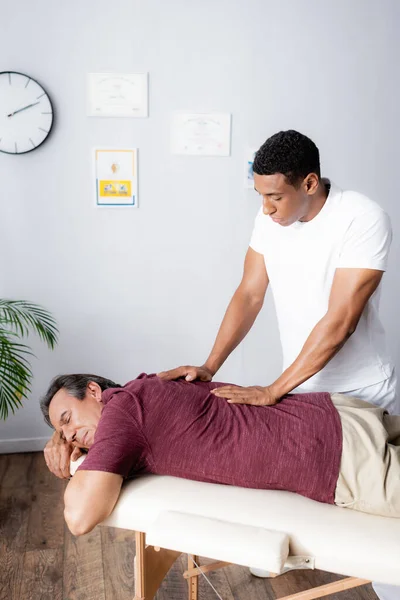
(355, 204)
(120, 412)
(125, 392)
(118, 400)
(132, 397)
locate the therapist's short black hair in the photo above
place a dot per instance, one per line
(290, 153)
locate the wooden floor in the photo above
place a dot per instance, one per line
(41, 560)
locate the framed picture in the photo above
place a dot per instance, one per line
(199, 134)
(248, 168)
(116, 177)
(117, 95)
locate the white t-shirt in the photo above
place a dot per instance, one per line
(350, 231)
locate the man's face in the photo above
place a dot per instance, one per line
(282, 202)
(77, 420)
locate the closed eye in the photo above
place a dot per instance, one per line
(65, 418)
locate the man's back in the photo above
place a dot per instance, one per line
(181, 429)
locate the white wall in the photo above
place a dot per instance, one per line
(146, 289)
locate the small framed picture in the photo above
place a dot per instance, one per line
(201, 134)
(248, 168)
(116, 177)
(117, 95)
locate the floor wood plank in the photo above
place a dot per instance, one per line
(83, 567)
(18, 470)
(43, 575)
(15, 510)
(46, 526)
(112, 535)
(118, 562)
(218, 578)
(11, 572)
(244, 585)
(40, 474)
(303, 579)
(4, 460)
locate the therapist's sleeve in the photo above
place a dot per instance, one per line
(367, 242)
(257, 241)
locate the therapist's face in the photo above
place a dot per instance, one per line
(77, 420)
(282, 202)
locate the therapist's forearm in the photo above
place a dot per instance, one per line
(238, 320)
(325, 340)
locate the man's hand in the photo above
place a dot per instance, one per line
(58, 453)
(255, 395)
(190, 373)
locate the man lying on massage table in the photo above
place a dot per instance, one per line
(328, 447)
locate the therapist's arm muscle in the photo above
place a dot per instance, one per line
(351, 290)
(89, 498)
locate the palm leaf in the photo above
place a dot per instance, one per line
(21, 316)
(15, 373)
(17, 319)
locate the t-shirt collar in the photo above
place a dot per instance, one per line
(106, 395)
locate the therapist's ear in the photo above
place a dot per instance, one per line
(94, 390)
(311, 183)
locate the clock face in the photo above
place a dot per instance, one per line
(26, 113)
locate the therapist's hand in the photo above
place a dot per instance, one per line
(255, 395)
(58, 453)
(189, 373)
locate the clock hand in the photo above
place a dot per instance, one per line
(21, 109)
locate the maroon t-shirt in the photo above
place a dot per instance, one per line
(181, 429)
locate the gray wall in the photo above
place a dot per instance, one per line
(145, 290)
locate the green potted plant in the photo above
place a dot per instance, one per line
(17, 319)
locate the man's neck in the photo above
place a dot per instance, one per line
(318, 201)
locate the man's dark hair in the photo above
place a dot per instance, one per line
(74, 385)
(290, 153)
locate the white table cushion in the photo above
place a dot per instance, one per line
(239, 544)
(340, 540)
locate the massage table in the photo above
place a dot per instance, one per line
(264, 529)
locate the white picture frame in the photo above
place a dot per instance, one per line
(201, 134)
(116, 177)
(117, 95)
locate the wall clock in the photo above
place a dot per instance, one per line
(26, 113)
